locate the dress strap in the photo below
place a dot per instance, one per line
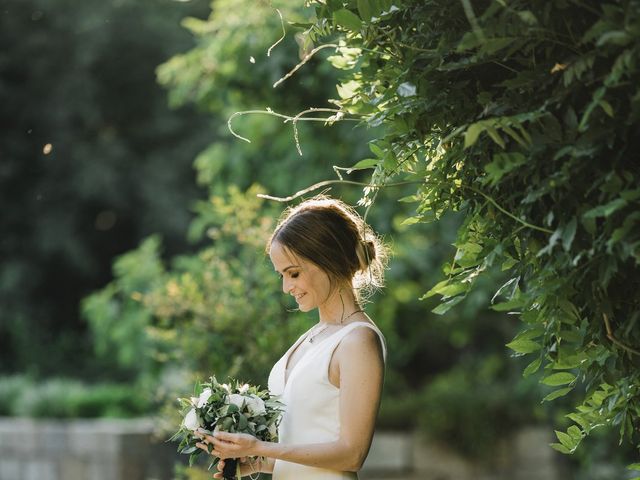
(352, 326)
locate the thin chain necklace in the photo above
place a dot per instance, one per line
(318, 330)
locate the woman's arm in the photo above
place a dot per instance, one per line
(361, 368)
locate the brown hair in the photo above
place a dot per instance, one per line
(332, 235)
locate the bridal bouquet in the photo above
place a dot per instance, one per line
(231, 407)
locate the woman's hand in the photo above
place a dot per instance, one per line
(229, 445)
(247, 467)
(220, 467)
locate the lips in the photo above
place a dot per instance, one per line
(299, 296)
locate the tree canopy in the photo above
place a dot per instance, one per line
(524, 116)
(92, 160)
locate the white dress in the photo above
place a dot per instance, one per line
(311, 403)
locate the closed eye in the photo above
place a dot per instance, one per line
(290, 269)
(292, 275)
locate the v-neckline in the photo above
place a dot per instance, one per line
(286, 379)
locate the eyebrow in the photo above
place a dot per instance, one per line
(289, 267)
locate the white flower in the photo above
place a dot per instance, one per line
(255, 405)
(273, 430)
(243, 388)
(191, 420)
(204, 396)
(236, 399)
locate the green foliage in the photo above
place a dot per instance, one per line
(524, 117)
(79, 76)
(117, 322)
(239, 54)
(462, 406)
(210, 313)
(66, 398)
(10, 390)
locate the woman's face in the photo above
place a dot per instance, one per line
(301, 278)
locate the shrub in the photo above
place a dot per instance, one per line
(68, 398)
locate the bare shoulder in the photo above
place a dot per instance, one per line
(361, 340)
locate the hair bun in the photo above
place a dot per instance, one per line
(370, 249)
(366, 252)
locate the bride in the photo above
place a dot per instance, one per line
(330, 379)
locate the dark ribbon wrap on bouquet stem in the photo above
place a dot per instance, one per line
(229, 469)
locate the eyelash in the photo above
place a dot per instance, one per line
(293, 275)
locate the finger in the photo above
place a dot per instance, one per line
(226, 436)
(221, 465)
(221, 444)
(203, 446)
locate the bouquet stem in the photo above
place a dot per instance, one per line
(231, 470)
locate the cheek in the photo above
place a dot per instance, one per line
(322, 288)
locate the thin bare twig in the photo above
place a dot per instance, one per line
(295, 119)
(287, 118)
(505, 211)
(612, 337)
(325, 183)
(284, 33)
(306, 58)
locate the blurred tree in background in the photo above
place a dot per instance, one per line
(91, 160)
(191, 292)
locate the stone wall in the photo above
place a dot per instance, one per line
(525, 456)
(32, 449)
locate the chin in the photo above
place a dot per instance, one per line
(305, 307)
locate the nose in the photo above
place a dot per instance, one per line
(286, 285)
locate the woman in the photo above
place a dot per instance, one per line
(331, 378)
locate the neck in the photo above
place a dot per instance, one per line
(338, 307)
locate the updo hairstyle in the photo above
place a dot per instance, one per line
(331, 234)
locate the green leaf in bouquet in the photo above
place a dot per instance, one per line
(243, 423)
(227, 409)
(227, 423)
